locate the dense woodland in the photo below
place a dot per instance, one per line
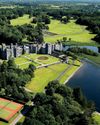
(60, 105)
(13, 80)
(78, 50)
(41, 14)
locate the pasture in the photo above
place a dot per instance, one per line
(77, 33)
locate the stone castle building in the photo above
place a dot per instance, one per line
(7, 51)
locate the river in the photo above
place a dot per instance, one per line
(88, 79)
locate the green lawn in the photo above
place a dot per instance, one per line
(71, 30)
(44, 75)
(21, 20)
(70, 72)
(23, 61)
(50, 59)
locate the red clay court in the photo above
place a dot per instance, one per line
(8, 109)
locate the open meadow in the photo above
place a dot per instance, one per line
(58, 30)
(77, 33)
(21, 20)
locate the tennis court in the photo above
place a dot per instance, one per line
(8, 109)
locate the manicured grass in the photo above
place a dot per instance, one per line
(96, 117)
(71, 30)
(45, 75)
(21, 20)
(50, 59)
(20, 60)
(70, 72)
(21, 120)
(23, 61)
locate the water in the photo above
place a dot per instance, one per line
(93, 48)
(88, 79)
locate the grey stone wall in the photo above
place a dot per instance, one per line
(17, 50)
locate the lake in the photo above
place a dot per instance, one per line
(93, 48)
(88, 79)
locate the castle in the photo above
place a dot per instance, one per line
(7, 51)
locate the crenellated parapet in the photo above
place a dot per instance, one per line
(16, 50)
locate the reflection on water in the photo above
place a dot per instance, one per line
(88, 79)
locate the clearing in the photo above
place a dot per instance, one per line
(21, 20)
(77, 33)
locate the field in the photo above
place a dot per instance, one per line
(47, 74)
(58, 30)
(8, 109)
(21, 20)
(35, 59)
(77, 33)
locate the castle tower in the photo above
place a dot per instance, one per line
(12, 49)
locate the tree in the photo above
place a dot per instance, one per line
(47, 20)
(11, 63)
(57, 108)
(4, 66)
(64, 39)
(32, 67)
(64, 19)
(34, 20)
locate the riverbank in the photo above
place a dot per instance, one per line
(95, 59)
(73, 74)
(74, 43)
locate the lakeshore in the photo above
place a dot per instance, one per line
(73, 74)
